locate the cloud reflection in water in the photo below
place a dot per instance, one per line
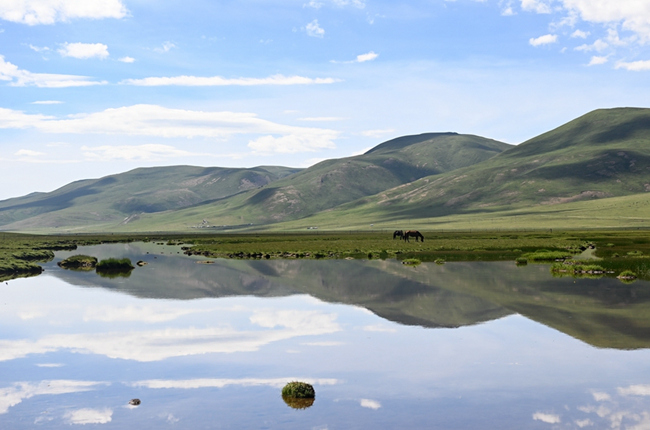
(156, 345)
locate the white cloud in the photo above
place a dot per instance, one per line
(366, 57)
(584, 423)
(28, 153)
(599, 46)
(89, 416)
(634, 66)
(634, 15)
(16, 119)
(156, 345)
(580, 34)
(157, 121)
(635, 390)
(543, 40)
(595, 61)
(127, 60)
(601, 397)
(362, 58)
(536, 6)
(546, 418)
(193, 81)
(147, 152)
(15, 394)
(22, 78)
(39, 48)
(314, 30)
(370, 404)
(47, 102)
(34, 12)
(166, 47)
(84, 50)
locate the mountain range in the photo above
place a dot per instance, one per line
(597, 163)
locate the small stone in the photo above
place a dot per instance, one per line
(134, 402)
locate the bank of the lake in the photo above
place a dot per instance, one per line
(618, 250)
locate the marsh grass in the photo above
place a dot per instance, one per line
(448, 246)
(114, 264)
(544, 255)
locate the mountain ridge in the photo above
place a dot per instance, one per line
(602, 154)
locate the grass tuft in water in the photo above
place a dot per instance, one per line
(298, 390)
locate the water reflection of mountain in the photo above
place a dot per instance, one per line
(390, 295)
(603, 312)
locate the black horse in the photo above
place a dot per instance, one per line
(398, 233)
(413, 233)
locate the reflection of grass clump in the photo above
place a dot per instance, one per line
(521, 261)
(292, 402)
(440, 261)
(411, 261)
(298, 390)
(78, 262)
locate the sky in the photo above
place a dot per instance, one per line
(93, 88)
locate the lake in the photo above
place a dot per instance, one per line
(210, 344)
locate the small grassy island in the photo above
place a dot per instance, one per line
(78, 262)
(116, 264)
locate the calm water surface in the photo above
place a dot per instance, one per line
(457, 346)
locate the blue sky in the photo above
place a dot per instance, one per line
(91, 88)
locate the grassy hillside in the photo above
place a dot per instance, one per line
(601, 155)
(121, 198)
(333, 182)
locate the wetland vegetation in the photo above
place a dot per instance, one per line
(617, 251)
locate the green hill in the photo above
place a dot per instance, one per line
(122, 198)
(178, 198)
(603, 154)
(334, 182)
